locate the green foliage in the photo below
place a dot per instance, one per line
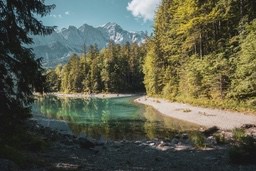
(220, 138)
(203, 52)
(151, 74)
(115, 69)
(20, 72)
(238, 134)
(197, 139)
(244, 84)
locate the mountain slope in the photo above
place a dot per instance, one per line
(57, 47)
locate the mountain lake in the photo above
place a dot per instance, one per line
(117, 118)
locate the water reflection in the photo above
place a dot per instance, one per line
(115, 119)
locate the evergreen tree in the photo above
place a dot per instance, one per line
(244, 84)
(19, 70)
(202, 51)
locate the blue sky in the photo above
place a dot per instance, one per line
(131, 15)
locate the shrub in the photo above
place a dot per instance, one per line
(238, 134)
(197, 139)
(243, 151)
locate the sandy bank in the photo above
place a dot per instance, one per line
(202, 116)
(100, 95)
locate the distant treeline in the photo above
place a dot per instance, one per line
(117, 68)
(204, 52)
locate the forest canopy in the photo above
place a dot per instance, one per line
(117, 68)
(203, 52)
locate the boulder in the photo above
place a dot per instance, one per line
(208, 132)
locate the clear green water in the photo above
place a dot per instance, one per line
(110, 119)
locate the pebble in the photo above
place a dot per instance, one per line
(152, 144)
(67, 166)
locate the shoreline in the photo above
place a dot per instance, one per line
(206, 117)
(92, 95)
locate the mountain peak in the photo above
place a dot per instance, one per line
(72, 28)
(85, 27)
(57, 46)
(112, 25)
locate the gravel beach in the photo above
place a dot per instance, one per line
(206, 117)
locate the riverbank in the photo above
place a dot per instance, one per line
(92, 95)
(68, 152)
(206, 117)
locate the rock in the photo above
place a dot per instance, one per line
(8, 165)
(151, 144)
(211, 140)
(175, 141)
(182, 147)
(67, 166)
(177, 136)
(138, 142)
(85, 143)
(184, 136)
(208, 132)
(163, 148)
(248, 126)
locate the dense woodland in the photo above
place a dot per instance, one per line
(204, 52)
(201, 52)
(117, 68)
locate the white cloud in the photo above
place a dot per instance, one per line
(67, 13)
(56, 16)
(143, 8)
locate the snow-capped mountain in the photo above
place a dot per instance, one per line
(57, 47)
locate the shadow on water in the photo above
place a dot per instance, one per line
(114, 119)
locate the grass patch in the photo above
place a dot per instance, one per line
(238, 134)
(241, 106)
(197, 139)
(220, 138)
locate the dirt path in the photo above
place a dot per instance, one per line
(202, 116)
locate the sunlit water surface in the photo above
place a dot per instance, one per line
(108, 119)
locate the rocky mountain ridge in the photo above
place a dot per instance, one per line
(57, 47)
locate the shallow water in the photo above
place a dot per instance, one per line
(108, 119)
